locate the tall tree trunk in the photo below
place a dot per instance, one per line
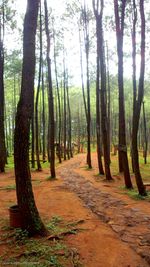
(39, 168)
(122, 148)
(58, 99)
(101, 55)
(32, 145)
(108, 102)
(86, 41)
(69, 120)
(138, 103)
(50, 98)
(65, 113)
(98, 124)
(145, 136)
(30, 217)
(43, 114)
(2, 132)
(82, 79)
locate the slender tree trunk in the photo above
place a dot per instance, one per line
(122, 148)
(50, 98)
(39, 168)
(100, 54)
(43, 94)
(58, 98)
(145, 136)
(65, 114)
(86, 41)
(32, 145)
(98, 125)
(30, 217)
(82, 79)
(136, 113)
(109, 103)
(69, 121)
(2, 132)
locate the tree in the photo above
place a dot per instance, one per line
(31, 220)
(122, 148)
(98, 10)
(98, 124)
(2, 132)
(64, 107)
(50, 98)
(138, 99)
(58, 99)
(39, 168)
(87, 43)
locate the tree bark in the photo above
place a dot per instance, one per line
(138, 103)
(2, 132)
(30, 217)
(50, 98)
(86, 40)
(122, 148)
(98, 124)
(39, 168)
(101, 55)
(58, 99)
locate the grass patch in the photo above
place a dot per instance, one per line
(50, 178)
(25, 251)
(8, 187)
(134, 194)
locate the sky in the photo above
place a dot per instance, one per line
(71, 40)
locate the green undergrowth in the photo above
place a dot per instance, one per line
(134, 194)
(43, 251)
(50, 178)
(8, 187)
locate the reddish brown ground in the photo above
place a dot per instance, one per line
(108, 239)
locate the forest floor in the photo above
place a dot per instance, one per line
(92, 223)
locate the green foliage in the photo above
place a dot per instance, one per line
(8, 187)
(21, 236)
(38, 251)
(133, 193)
(50, 178)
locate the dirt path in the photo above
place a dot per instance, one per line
(132, 225)
(116, 230)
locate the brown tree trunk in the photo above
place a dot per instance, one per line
(50, 98)
(2, 132)
(64, 110)
(145, 143)
(39, 168)
(69, 121)
(101, 56)
(86, 40)
(122, 148)
(58, 99)
(30, 217)
(98, 125)
(138, 103)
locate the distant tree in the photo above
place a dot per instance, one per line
(98, 124)
(58, 98)
(50, 97)
(119, 10)
(145, 141)
(64, 108)
(85, 18)
(2, 131)
(39, 168)
(31, 220)
(98, 10)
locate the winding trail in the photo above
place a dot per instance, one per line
(131, 224)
